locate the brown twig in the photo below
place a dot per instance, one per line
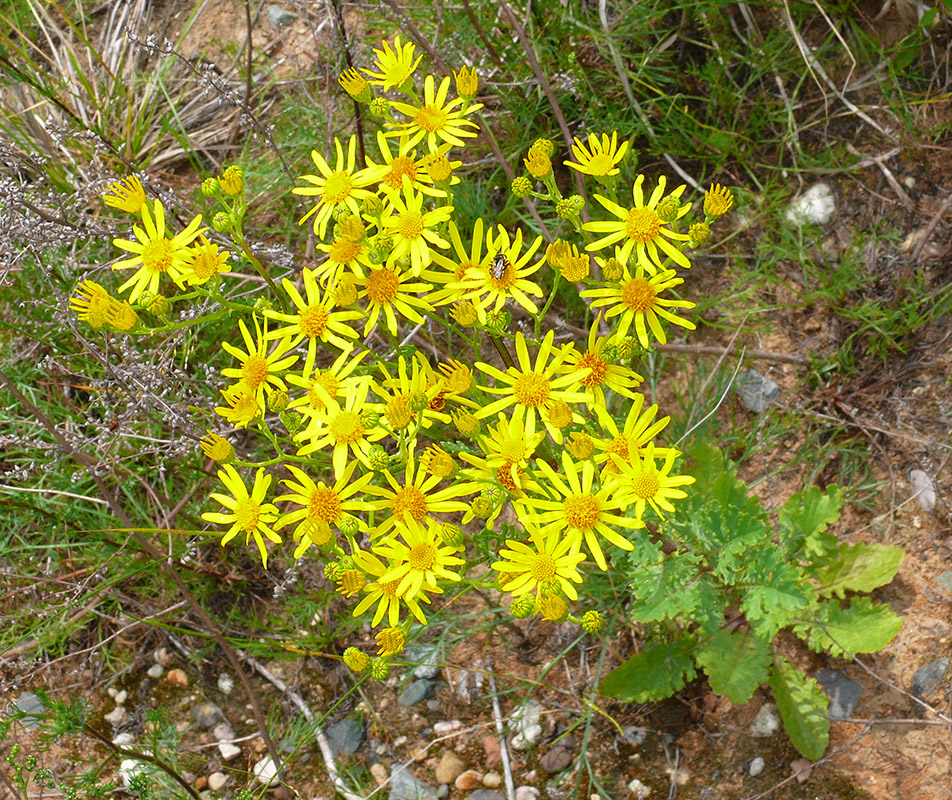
(359, 120)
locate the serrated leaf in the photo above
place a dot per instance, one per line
(735, 662)
(858, 568)
(805, 517)
(802, 705)
(655, 674)
(774, 592)
(664, 590)
(861, 628)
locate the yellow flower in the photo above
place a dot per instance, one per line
(244, 405)
(387, 290)
(420, 560)
(384, 593)
(550, 558)
(205, 260)
(603, 375)
(315, 320)
(457, 269)
(601, 158)
(405, 163)
(337, 187)
(436, 120)
(580, 511)
(332, 381)
(530, 387)
(390, 641)
(342, 253)
(636, 300)
(216, 447)
(489, 293)
(232, 180)
(717, 200)
(395, 65)
(640, 228)
(248, 512)
(122, 316)
(127, 195)
(259, 369)
(508, 448)
(642, 482)
(538, 163)
(156, 255)
(638, 429)
(354, 84)
(395, 393)
(91, 304)
(411, 228)
(320, 504)
(467, 82)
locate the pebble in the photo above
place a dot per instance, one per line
(843, 692)
(404, 786)
(428, 668)
(200, 783)
(117, 716)
(486, 794)
(766, 723)
(815, 206)
(217, 781)
(124, 740)
(527, 737)
(223, 732)
(418, 691)
(639, 790)
(755, 766)
(634, 734)
(128, 768)
(265, 771)
(164, 657)
(226, 683)
(526, 719)
(446, 728)
(526, 793)
(228, 751)
(492, 780)
(493, 751)
(155, 671)
(121, 697)
(379, 773)
(346, 736)
(927, 677)
(451, 766)
(206, 715)
(756, 392)
(177, 677)
(557, 759)
(469, 780)
(31, 705)
(280, 17)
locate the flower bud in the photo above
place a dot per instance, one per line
(580, 445)
(278, 401)
(498, 322)
(522, 606)
(467, 82)
(521, 186)
(355, 85)
(233, 180)
(222, 222)
(464, 313)
(380, 107)
(613, 270)
(592, 621)
(418, 401)
(543, 145)
(211, 187)
(717, 200)
(378, 458)
(466, 423)
(538, 164)
(553, 608)
(216, 447)
(668, 208)
(570, 207)
(345, 292)
(390, 641)
(699, 232)
(379, 669)
(481, 507)
(357, 660)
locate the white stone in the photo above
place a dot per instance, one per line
(527, 737)
(223, 732)
(217, 781)
(124, 740)
(116, 717)
(121, 697)
(815, 206)
(639, 790)
(155, 671)
(756, 766)
(228, 751)
(526, 793)
(766, 723)
(128, 768)
(226, 683)
(446, 728)
(265, 771)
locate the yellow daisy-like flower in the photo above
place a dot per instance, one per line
(315, 320)
(467, 82)
(248, 512)
(259, 369)
(420, 560)
(387, 290)
(320, 503)
(395, 393)
(337, 187)
(603, 375)
(341, 427)
(581, 511)
(395, 65)
(406, 163)
(717, 200)
(456, 270)
(384, 593)
(417, 498)
(637, 431)
(206, 259)
(244, 405)
(636, 300)
(487, 292)
(601, 158)
(550, 558)
(333, 381)
(216, 447)
(91, 304)
(642, 482)
(342, 254)
(436, 120)
(508, 449)
(127, 195)
(532, 387)
(411, 228)
(390, 641)
(155, 254)
(641, 229)
(354, 84)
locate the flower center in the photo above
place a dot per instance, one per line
(244, 408)
(324, 504)
(337, 187)
(398, 412)
(423, 557)
(638, 295)
(504, 476)
(581, 511)
(205, 264)
(642, 225)
(619, 446)
(430, 119)
(389, 588)
(531, 389)
(411, 225)
(600, 164)
(247, 514)
(462, 268)
(411, 499)
(598, 366)
(157, 255)
(646, 485)
(350, 582)
(313, 321)
(254, 371)
(346, 427)
(543, 567)
(343, 252)
(382, 286)
(400, 166)
(513, 450)
(317, 531)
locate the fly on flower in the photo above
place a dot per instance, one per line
(499, 266)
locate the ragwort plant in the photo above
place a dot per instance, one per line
(397, 472)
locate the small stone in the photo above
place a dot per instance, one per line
(451, 766)
(815, 206)
(379, 773)
(217, 781)
(639, 790)
(756, 392)
(428, 668)
(205, 715)
(526, 793)
(944, 580)
(121, 697)
(124, 740)
(228, 751)
(843, 692)
(446, 728)
(128, 768)
(164, 657)
(557, 759)
(755, 766)
(346, 736)
(493, 751)
(225, 683)
(31, 705)
(177, 677)
(200, 783)
(492, 779)
(486, 794)
(469, 780)
(223, 732)
(155, 671)
(443, 791)
(527, 737)
(117, 716)
(634, 734)
(404, 786)
(280, 17)
(927, 677)
(418, 691)
(766, 723)
(265, 771)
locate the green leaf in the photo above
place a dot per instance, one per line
(774, 592)
(735, 662)
(858, 568)
(928, 18)
(804, 519)
(664, 590)
(861, 628)
(655, 674)
(802, 706)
